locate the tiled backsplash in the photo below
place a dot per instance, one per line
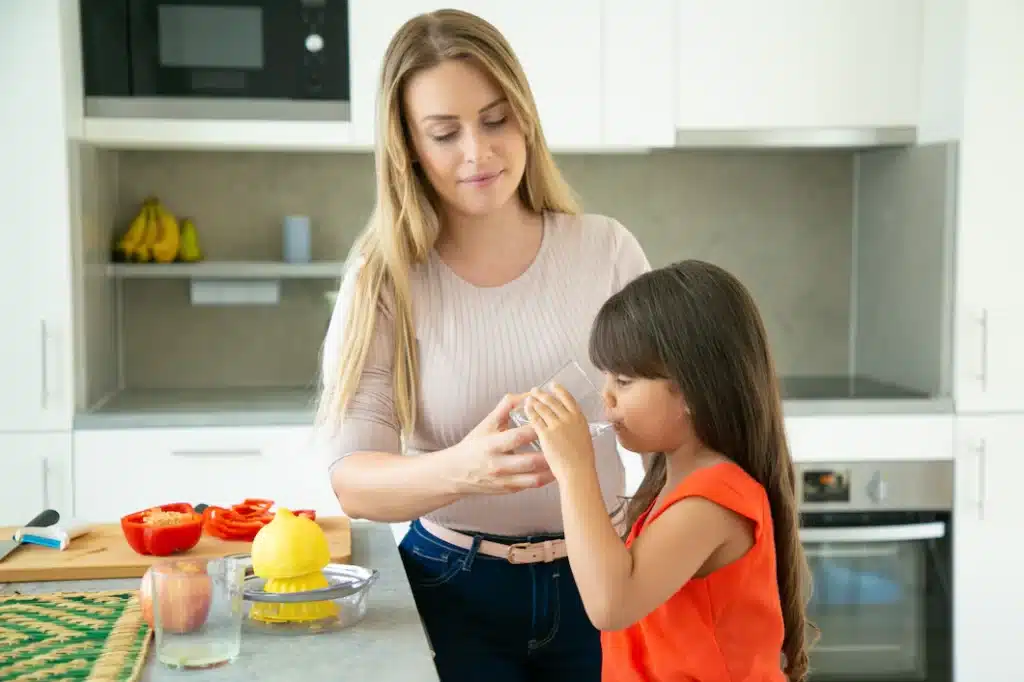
(781, 221)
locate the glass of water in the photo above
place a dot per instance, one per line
(573, 379)
(196, 611)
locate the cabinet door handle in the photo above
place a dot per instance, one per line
(46, 484)
(251, 452)
(44, 379)
(983, 374)
(982, 467)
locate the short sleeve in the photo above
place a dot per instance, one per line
(727, 485)
(630, 259)
(370, 423)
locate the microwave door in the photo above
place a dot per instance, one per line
(237, 59)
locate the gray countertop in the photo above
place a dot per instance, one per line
(804, 396)
(389, 644)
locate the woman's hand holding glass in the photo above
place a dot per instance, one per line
(486, 461)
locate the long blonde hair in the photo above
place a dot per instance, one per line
(404, 224)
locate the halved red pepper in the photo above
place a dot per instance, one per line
(163, 530)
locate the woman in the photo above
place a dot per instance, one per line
(476, 277)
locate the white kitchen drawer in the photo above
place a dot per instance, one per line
(120, 471)
(850, 438)
(876, 437)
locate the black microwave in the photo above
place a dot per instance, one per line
(216, 59)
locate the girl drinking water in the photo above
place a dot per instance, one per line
(710, 582)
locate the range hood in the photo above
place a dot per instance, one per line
(796, 138)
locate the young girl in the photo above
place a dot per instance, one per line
(710, 584)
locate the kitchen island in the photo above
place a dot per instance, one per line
(389, 644)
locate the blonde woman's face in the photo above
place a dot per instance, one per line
(465, 137)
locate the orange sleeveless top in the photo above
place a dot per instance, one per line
(726, 627)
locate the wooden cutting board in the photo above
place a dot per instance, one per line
(104, 553)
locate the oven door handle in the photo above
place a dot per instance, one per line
(898, 533)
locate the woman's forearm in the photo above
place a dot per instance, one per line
(392, 488)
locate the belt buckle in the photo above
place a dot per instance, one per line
(545, 549)
(510, 556)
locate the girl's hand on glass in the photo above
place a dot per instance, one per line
(562, 430)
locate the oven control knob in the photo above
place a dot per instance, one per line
(314, 42)
(878, 489)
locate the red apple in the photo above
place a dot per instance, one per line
(185, 591)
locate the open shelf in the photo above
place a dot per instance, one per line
(246, 270)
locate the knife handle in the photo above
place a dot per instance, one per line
(47, 517)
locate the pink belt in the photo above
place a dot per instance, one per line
(519, 553)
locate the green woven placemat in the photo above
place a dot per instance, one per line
(70, 636)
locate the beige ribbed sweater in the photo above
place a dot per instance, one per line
(478, 343)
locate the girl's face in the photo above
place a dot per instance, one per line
(649, 415)
(465, 137)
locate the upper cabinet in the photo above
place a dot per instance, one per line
(638, 105)
(749, 65)
(623, 75)
(613, 75)
(990, 242)
(36, 202)
(558, 44)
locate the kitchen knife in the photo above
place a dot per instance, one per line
(44, 518)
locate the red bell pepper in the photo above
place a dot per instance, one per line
(163, 530)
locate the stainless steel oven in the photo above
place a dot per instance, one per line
(878, 538)
(216, 59)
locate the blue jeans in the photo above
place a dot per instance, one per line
(491, 620)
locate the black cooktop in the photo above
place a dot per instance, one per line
(845, 388)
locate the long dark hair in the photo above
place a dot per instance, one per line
(696, 325)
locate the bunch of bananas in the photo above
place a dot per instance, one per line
(155, 235)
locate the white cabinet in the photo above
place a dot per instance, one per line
(638, 105)
(558, 44)
(35, 202)
(990, 241)
(987, 587)
(748, 64)
(36, 476)
(120, 471)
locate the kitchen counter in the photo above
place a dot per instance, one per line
(803, 396)
(389, 644)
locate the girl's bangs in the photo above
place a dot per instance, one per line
(621, 344)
